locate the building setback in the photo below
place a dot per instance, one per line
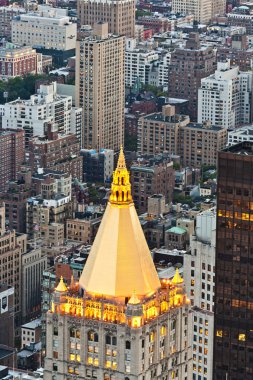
(233, 315)
(100, 88)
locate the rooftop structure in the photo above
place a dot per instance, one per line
(125, 311)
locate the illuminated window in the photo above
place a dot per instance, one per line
(152, 336)
(206, 332)
(72, 357)
(76, 370)
(114, 365)
(219, 333)
(114, 353)
(242, 337)
(205, 351)
(108, 364)
(96, 362)
(92, 336)
(90, 360)
(70, 369)
(163, 331)
(78, 359)
(72, 345)
(108, 352)
(90, 348)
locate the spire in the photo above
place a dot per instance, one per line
(177, 279)
(120, 259)
(121, 187)
(121, 159)
(61, 287)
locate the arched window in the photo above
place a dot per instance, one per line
(128, 345)
(92, 336)
(106, 376)
(108, 339)
(72, 332)
(163, 330)
(114, 341)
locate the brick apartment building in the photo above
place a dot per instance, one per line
(56, 152)
(151, 175)
(188, 65)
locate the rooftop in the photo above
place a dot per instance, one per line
(244, 148)
(177, 230)
(32, 325)
(168, 119)
(205, 127)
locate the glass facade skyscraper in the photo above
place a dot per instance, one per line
(233, 321)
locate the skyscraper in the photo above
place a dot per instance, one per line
(120, 15)
(233, 313)
(128, 324)
(100, 88)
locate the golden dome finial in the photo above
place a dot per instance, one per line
(121, 187)
(61, 287)
(134, 300)
(177, 279)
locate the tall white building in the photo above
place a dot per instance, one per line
(45, 107)
(199, 276)
(138, 63)
(240, 134)
(224, 98)
(48, 28)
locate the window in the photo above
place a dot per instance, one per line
(92, 336)
(128, 345)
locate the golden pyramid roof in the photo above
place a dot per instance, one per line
(120, 259)
(177, 279)
(61, 287)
